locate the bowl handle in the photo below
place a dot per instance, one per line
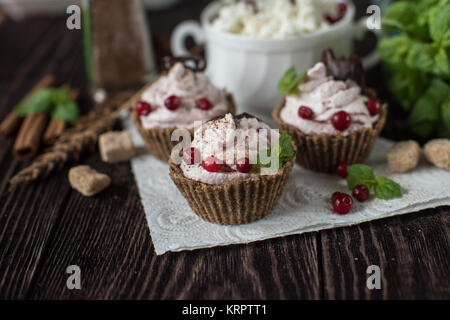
(184, 29)
(361, 28)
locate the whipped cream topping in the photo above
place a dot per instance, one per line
(278, 19)
(227, 139)
(189, 86)
(325, 96)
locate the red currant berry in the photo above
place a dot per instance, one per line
(342, 170)
(172, 102)
(243, 165)
(342, 10)
(334, 195)
(191, 156)
(360, 193)
(373, 105)
(203, 104)
(211, 164)
(341, 120)
(342, 203)
(143, 108)
(305, 112)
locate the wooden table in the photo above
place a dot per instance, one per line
(47, 226)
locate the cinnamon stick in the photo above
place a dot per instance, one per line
(56, 126)
(29, 137)
(12, 121)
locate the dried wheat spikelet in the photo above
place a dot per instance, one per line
(71, 144)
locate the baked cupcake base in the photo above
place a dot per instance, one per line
(236, 202)
(324, 152)
(158, 140)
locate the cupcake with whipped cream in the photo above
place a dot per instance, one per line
(222, 172)
(330, 115)
(176, 99)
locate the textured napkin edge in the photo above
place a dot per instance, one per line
(160, 249)
(315, 228)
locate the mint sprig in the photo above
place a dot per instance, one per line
(53, 101)
(384, 188)
(286, 151)
(290, 81)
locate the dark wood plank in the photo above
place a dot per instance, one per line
(46, 227)
(411, 250)
(27, 216)
(108, 237)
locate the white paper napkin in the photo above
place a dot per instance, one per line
(305, 205)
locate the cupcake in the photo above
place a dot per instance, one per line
(176, 100)
(330, 115)
(223, 175)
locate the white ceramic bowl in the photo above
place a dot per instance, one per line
(250, 68)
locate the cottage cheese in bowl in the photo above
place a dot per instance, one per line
(276, 19)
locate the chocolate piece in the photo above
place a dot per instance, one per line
(116, 146)
(88, 181)
(403, 156)
(344, 68)
(437, 151)
(196, 64)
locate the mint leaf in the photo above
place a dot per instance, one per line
(286, 81)
(407, 85)
(54, 101)
(286, 152)
(360, 174)
(439, 23)
(441, 65)
(445, 111)
(421, 56)
(387, 189)
(402, 13)
(266, 153)
(293, 87)
(67, 111)
(394, 49)
(425, 115)
(286, 149)
(39, 102)
(290, 81)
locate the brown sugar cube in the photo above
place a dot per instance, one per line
(438, 153)
(403, 156)
(88, 181)
(116, 146)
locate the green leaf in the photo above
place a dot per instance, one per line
(428, 58)
(442, 63)
(394, 49)
(445, 111)
(360, 174)
(286, 81)
(266, 153)
(286, 149)
(425, 115)
(39, 102)
(421, 56)
(67, 111)
(405, 16)
(407, 84)
(439, 23)
(290, 81)
(404, 13)
(293, 87)
(387, 189)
